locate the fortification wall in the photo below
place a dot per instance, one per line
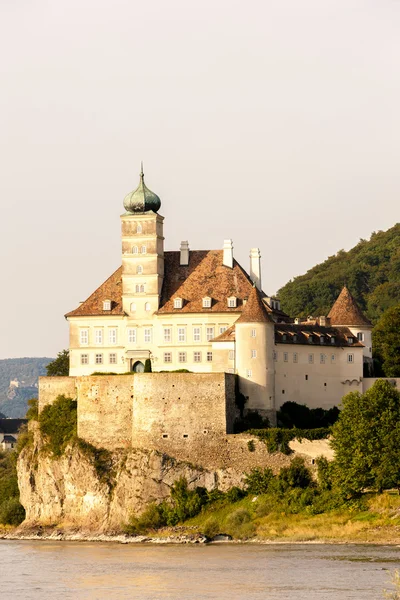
(51, 387)
(175, 410)
(105, 410)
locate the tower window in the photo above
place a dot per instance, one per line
(311, 358)
(360, 336)
(253, 333)
(249, 373)
(231, 355)
(178, 303)
(142, 289)
(295, 357)
(133, 307)
(135, 249)
(143, 249)
(322, 359)
(139, 228)
(147, 307)
(285, 357)
(350, 358)
(139, 269)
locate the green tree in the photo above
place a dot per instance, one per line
(59, 366)
(386, 342)
(58, 424)
(147, 365)
(366, 440)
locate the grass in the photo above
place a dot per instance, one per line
(378, 522)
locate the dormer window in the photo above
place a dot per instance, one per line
(333, 339)
(322, 339)
(107, 305)
(295, 337)
(178, 303)
(207, 302)
(284, 337)
(310, 339)
(232, 302)
(350, 340)
(139, 269)
(139, 228)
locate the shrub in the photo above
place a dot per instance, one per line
(238, 517)
(147, 366)
(58, 424)
(277, 439)
(251, 446)
(32, 413)
(292, 414)
(234, 494)
(211, 527)
(251, 420)
(258, 481)
(101, 460)
(11, 511)
(295, 476)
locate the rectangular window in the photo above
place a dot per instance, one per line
(167, 335)
(306, 377)
(209, 356)
(322, 359)
(113, 358)
(231, 355)
(275, 356)
(84, 337)
(295, 357)
(84, 359)
(196, 356)
(210, 333)
(360, 336)
(253, 333)
(112, 335)
(167, 357)
(98, 336)
(181, 357)
(132, 336)
(147, 335)
(350, 358)
(222, 329)
(98, 359)
(249, 373)
(333, 358)
(254, 354)
(181, 334)
(285, 357)
(197, 334)
(311, 358)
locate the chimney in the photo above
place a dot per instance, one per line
(184, 259)
(255, 267)
(228, 254)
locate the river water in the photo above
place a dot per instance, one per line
(33, 570)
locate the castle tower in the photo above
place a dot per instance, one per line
(255, 339)
(346, 313)
(142, 252)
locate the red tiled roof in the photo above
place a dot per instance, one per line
(304, 331)
(111, 289)
(254, 310)
(226, 336)
(346, 311)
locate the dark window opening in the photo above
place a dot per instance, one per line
(283, 391)
(165, 435)
(185, 435)
(306, 377)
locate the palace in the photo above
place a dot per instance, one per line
(201, 311)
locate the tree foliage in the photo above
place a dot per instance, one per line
(292, 414)
(366, 440)
(147, 366)
(58, 424)
(371, 270)
(59, 367)
(386, 342)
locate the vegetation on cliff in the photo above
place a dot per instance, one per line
(58, 424)
(59, 367)
(371, 270)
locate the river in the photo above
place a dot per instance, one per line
(33, 570)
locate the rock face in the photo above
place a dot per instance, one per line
(69, 491)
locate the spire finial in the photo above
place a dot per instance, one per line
(141, 169)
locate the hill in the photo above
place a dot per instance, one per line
(18, 383)
(371, 271)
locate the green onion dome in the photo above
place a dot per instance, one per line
(142, 199)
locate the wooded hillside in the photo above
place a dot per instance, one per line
(371, 271)
(13, 402)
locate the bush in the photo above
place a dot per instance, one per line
(58, 424)
(295, 476)
(251, 420)
(211, 527)
(12, 512)
(234, 494)
(258, 481)
(277, 440)
(292, 414)
(32, 413)
(101, 460)
(238, 517)
(251, 446)
(147, 366)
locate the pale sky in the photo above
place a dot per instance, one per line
(274, 123)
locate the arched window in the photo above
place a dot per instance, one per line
(133, 307)
(143, 249)
(139, 269)
(135, 250)
(142, 288)
(147, 306)
(139, 228)
(137, 289)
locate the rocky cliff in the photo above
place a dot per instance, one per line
(85, 490)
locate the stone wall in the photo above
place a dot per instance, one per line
(368, 382)
(51, 387)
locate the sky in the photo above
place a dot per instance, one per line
(273, 123)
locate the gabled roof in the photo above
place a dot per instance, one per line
(346, 311)
(111, 289)
(254, 310)
(303, 331)
(226, 336)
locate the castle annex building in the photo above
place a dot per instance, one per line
(200, 310)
